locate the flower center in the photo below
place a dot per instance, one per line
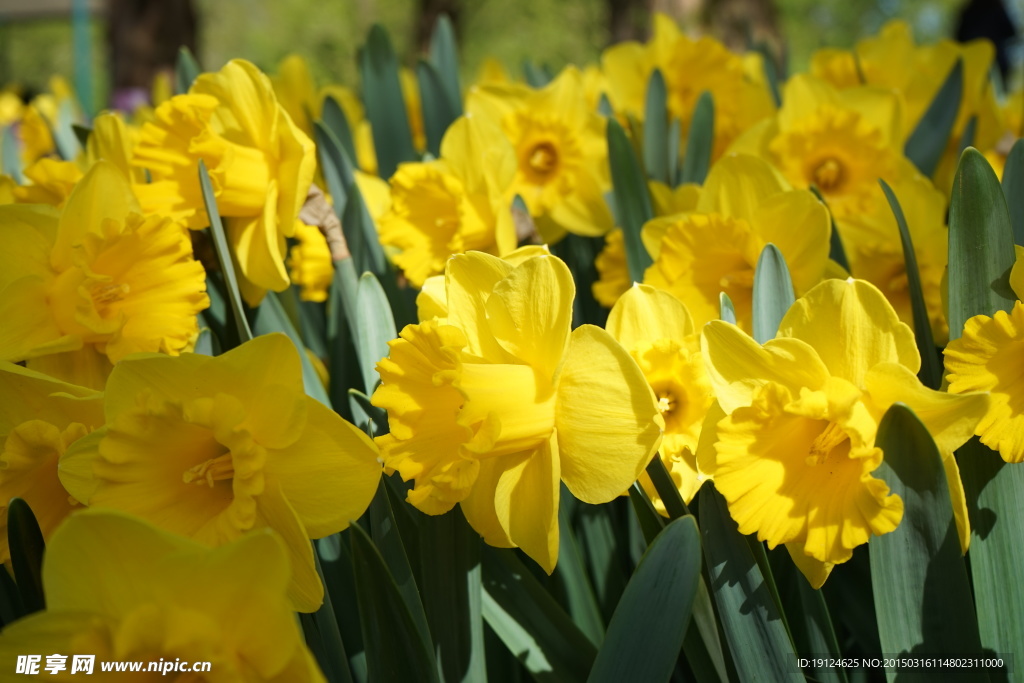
(829, 439)
(828, 175)
(105, 293)
(543, 160)
(213, 470)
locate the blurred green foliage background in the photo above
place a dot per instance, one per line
(328, 32)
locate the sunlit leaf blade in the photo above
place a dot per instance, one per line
(1013, 189)
(450, 571)
(224, 256)
(444, 56)
(335, 164)
(270, 317)
(10, 161)
(26, 544)
(64, 138)
(530, 623)
(186, 68)
(931, 367)
(773, 293)
(394, 649)
(385, 106)
(376, 327)
(632, 200)
(361, 235)
(927, 142)
(438, 112)
(700, 141)
(334, 119)
(727, 311)
(754, 630)
(660, 596)
(922, 597)
(655, 144)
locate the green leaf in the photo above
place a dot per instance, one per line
(675, 158)
(931, 367)
(11, 607)
(333, 118)
(385, 106)
(361, 235)
(757, 636)
(378, 415)
(186, 69)
(632, 200)
(444, 56)
(451, 584)
(967, 136)
(10, 160)
(26, 544)
(536, 75)
(836, 252)
(64, 138)
(385, 534)
(333, 657)
(726, 310)
(656, 157)
(700, 141)
(607, 560)
(376, 327)
(666, 488)
(771, 71)
(922, 598)
(224, 255)
(530, 623)
(571, 573)
(394, 649)
(438, 112)
(1013, 189)
(981, 251)
(927, 143)
(336, 167)
(660, 596)
(82, 134)
(604, 106)
(773, 293)
(269, 317)
(339, 582)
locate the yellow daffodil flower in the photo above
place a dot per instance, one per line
(261, 166)
(743, 206)
(491, 405)
(211, 447)
(455, 204)
(657, 331)
(872, 244)
(560, 152)
(987, 358)
(795, 451)
(612, 268)
(82, 288)
(690, 67)
(39, 418)
(122, 590)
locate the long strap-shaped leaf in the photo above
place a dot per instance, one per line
(927, 143)
(773, 293)
(385, 106)
(922, 597)
(632, 200)
(981, 254)
(660, 596)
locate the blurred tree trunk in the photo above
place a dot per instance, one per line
(629, 19)
(429, 11)
(742, 24)
(143, 37)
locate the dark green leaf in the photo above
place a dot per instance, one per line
(754, 630)
(773, 293)
(656, 156)
(666, 488)
(571, 572)
(536, 75)
(186, 69)
(82, 134)
(700, 141)
(922, 598)
(394, 649)
(334, 119)
(336, 166)
(224, 255)
(1013, 189)
(530, 623)
(927, 143)
(632, 200)
(385, 106)
(836, 252)
(340, 583)
(659, 596)
(931, 368)
(981, 251)
(25, 541)
(444, 56)
(438, 112)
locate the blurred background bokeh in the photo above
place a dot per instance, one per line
(112, 44)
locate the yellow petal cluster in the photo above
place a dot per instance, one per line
(493, 404)
(794, 454)
(212, 447)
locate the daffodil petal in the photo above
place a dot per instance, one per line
(608, 422)
(737, 185)
(645, 314)
(816, 572)
(478, 507)
(852, 327)
(305, 590)
(28, 328)
(469, 281)
(799, 225)
(526, 503)
(103, 195)
(738, 366)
